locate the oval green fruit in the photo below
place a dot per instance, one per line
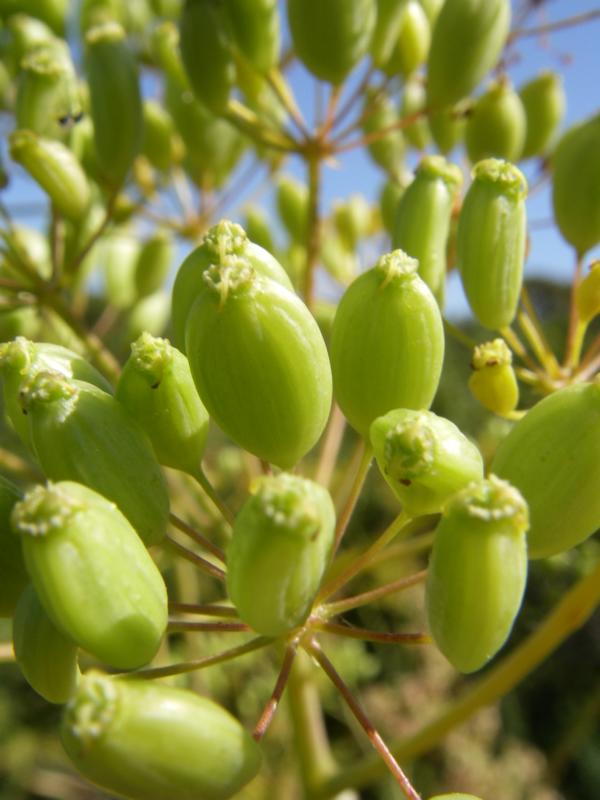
(13, 575)
(390, 14)
(153, 263)
(389, 199)
(587, 296)
(255, 26)
(414, 102)
(161, 143)
(389, 147)
(493, 381)
(292, 206)
(412, 45)
(447, 128)
(544, 102)
(496, 124)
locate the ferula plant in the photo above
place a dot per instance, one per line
(299, 464)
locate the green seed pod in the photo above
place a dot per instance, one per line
(587, 296)
(146, 741)
(115, 100)
(225, 240)
(423, 218)
(154, 262)
(388, 149)
(412, 45)
(340, 262)
(424, 458)
(576, 185)
(468, 38)
(294, 262)
(83, 434)
(477, 572)
(447, 128)
(23, 34)
(281, 546)
(544, 102)
(206, 53)
(161, 143)
(23, 244)
(491, 241)
(493, 381)
(553, 456)
(292, 206)
(47, 658)
(256, 31)
(13, 575)
(390, 15)
(157, 388)
(331, 38)
(50, 12)
(352, 219)
(387, 345)
(413, 102)
(432, 8)
(259, 361)
(118, 257)
(94, 577)
(496, 125)
(256, 225)
(389, 198)
(55, 168)
(149, 315)
(100, 12)
(82, 144)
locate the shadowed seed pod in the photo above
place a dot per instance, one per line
(118, 255)
(259, 361)
(447, 128)
(496, 124)
(157, 388)
(115, 100)
(256, 225)
(54, 167)
(544, 103)
(477, 572)
(468, 38)
(148, 315)
(49, 12)
(412, 44)
(153, 263)
(292, 206)
(281, 546)
(147, 741)
(387, 345)
(352, 219)
(413, 102)
(493, 381)
(83, 434)
(553, 456)
(423, 216)
(331, 38)
(390, 14)
(491, 240)
(23, 35)
(424, 458)
(387, 149)
(576, 185)
(587, 296)
(339, 261)
(255, 26)
(160, 143)
(13, 575)
(225, 240)
(47, 658)
(93, 576)
(389, 198)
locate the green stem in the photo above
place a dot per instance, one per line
(367, 635)
(358, 600)
(313, 232)
(200, 477)
(194, 558)
(248, 122)
(197, 537)
(540, 348)
(359, 479)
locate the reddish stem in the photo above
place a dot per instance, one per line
(271, 707)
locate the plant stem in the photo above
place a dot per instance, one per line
(175, 625)
(456, 333)
(535, 321)
(194, 558)
(200, 477)
(313, 233)
(207, 610)
(359, 479)
(570, 344)
(348, 603)
(558, 25)
(366, 635)
(183, 526)
(540, 348)
(284, 94)
(331, 446)
(269, 710)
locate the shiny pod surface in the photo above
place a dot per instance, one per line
(13, 575)
(493, 381)
(146, 741)
(496, 124)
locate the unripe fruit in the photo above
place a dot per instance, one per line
(493, 381)
(424, 458)
(491, 241)
(447, 128)
(389, 199)
(255, 27)
(292, 206)
(352, 219)
(496, 124)
(118, 255)
(390, 14)
(387, 344)
(153, 263)
(413, 102)
(477, 572)
(412, 45)
(146, 741)
(339, 261)
(552, 456)
(13, 575)
(587, 296)
(281, 545)
(544, 102)
(388, 149)
(94, 577)
(161, 143)
(256, 225)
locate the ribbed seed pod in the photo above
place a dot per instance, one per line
(352, 219)
(13, 575)
(115, 100)
(491, 241)
(331, 38)
(49, 12)
(54, 167)
(423, 218)
(493, 381)
(149, 315)
(553, 456)
(388, 149)
(339, 261)
(496, 125)
(447, 128)
(259, 361)
(206, 52)
(588, 294)
(292, 206)
(387, 345)
(468, 38)
(47, 658)
(160, 143)
(99, 12)
(424, 458)
(256, 31)
(147, 741)
(256, 225)
(413, 102)
(157, 388)
(544, 102)
(24, 244)
(390, 14)
(153, 263)
(94, 577)
(477, 572)
(118, 256)
(281, 546)
(389, 199)
(412, 45)
(225, 240)
(83, 434)
(576, 185)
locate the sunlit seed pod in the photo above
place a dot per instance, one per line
(293, 259)
(331, 38)
(413, 102)
(352, 219)
(92, 573)
(477, 572)
(22, 321)
(166, 9)
(118, 257)
(496, 124)
(157, 388)
(24, 244)
(387, 29)
(54, 167)
(432, 8)
(47, 658)
(82, 143)
(259, 362)
(83, 434)
(491, 241)
(447, 128)
(553, 456)
(412, 45)
(100, 12)
(389, 147)
(576, 185)
(587, 296)
(424, 458)
(467, 40)
(387, 345)
(281, 546)
(148, 315)
(13, 575)
(146, 741)
(493, 381)
(389, 199)
(255, 25)
(256, 225)
(153, 264)
(49, 12)
(292, 206)
(160, 143)
(23, 34)
(339, 261)
(225, 240)
(115, 100)
(423, 218)
(544, 102)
